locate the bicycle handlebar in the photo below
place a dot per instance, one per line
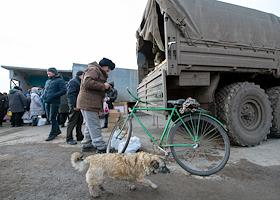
(135, 97)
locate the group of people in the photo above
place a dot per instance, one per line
(24, 107)
(84, 96)
(18, 103)
(4, 105)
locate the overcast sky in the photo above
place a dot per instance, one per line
(57, 33)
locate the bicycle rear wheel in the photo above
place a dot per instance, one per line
(210, 147)
(121, 133)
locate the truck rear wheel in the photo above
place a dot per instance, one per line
(246, 110)
(274, 97)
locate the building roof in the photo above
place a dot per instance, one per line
(34, 71)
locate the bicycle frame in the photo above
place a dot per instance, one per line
(163, 141)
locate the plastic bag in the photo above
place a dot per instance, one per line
(26, 117)
(42, 121)
(105, 108)
(133, 145)
(9, 113)
(115, 141)
(7, 118)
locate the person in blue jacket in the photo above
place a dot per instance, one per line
(54, 89)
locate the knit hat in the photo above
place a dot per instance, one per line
(53, 70)
(35, 90)
(17, 88)
(79, 73)
(107, 62)
(112, 83)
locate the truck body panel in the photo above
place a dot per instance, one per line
(225, 56)
(197, 39)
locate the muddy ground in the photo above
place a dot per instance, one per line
(31, 168)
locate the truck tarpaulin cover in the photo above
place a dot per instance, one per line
(210, 20)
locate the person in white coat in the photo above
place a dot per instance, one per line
(36, 106)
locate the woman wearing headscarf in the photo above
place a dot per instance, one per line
(36, 106)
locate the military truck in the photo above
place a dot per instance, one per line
(225, 56)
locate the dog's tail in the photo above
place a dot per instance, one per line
(78, 162)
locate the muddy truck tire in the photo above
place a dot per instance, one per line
(274, 97)
(246, 110)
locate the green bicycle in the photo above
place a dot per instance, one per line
(197, 140)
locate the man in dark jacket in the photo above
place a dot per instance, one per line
(53, 91)
(63, 111)
(17, 105)
(75, 116)
(90, 101)
(4, 105)
(110, 97)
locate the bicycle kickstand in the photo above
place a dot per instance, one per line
(166, 153)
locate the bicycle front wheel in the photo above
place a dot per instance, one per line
(200, 145)
(120, 136)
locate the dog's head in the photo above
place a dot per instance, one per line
(77, 156)
(158, 166)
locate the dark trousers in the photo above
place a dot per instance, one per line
(62, 117)
(47, 111)
(53, 113)
(2, 115)
(75, 119)
(106, 117)
(34, 120)
(16, 119)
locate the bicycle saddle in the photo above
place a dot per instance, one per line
(177, 102)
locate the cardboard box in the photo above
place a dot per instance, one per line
(114, 116)
(114, 111)
(110, 126)
(113, 119)
(121, 106)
